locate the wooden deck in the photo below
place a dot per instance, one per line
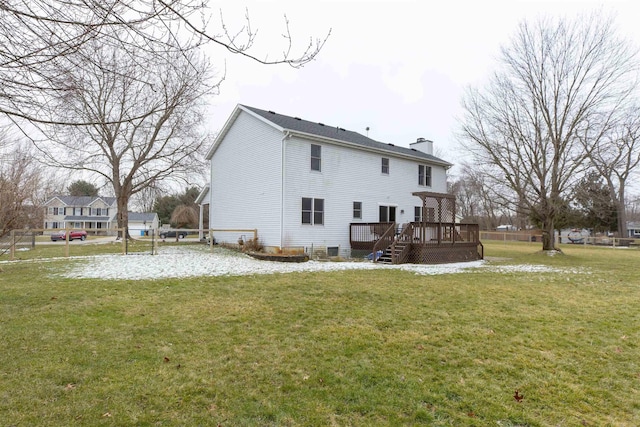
(419, 242)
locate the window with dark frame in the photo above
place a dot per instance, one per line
(417, 214)
(357, 210)
(318, 211)
(387, 213)
(424, 175)
(385, 166)
(312, 211)
(316, 157)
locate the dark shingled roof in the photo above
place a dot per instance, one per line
(142, 216)
(82, 201)
(296, 124)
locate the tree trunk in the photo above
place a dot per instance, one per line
(622, 212)
(123, 216)
(548, 240)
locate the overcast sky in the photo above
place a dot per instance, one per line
(397, 67)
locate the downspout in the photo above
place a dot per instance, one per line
(286, 136)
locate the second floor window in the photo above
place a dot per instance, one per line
(357, 210)
(56, 211)
(316, 157)
(385, 166)
(424, 175)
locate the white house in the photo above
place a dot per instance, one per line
(95, 214)
(302, 183)
(141, 222)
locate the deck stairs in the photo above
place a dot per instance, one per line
(387, 256)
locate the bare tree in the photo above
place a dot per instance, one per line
(38, 36)
(633, 209)
(144, 200)
(22, 185)
(147, 113)
(616, 155)
(472, 198)
(557, 79)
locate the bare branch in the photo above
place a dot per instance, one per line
(38, 38)
(560, 84)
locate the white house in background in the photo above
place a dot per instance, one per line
(301, 183)
(86, 212)
(633, 230)
(141, 222)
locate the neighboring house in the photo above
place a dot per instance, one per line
(507, 227)
(90, 213)
(303, 184)
(141, 223)
(633, 230)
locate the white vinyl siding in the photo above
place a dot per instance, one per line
(345, 177)
(246, 180)
(248, 188)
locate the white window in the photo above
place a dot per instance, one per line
(387, 213)
(424, 175)
(312, 211)
(417, 213)
(316, 157)
(357, 210)
(385, 166)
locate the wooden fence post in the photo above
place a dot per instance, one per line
(12, 247)
(66, 240)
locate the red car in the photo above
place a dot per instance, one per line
(73, 234)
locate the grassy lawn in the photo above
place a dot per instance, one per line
(358, 348)
(46, 249)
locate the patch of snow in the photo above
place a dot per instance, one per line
(176, 262)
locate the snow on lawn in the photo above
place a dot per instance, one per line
(175, 262)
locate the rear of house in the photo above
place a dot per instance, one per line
(301, 184)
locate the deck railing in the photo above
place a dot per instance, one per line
(419, 242)
(384, 241)
(364, 235)
(435, 233)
